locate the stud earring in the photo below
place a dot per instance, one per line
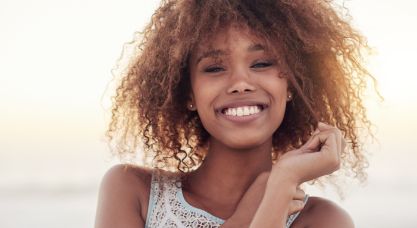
(191, 107)
(289, 96)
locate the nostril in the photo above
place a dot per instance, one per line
(239, 91)
(241, 87)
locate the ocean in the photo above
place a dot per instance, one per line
(59, 196)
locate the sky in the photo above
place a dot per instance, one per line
(56, 59)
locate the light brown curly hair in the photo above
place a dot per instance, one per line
(321, 49)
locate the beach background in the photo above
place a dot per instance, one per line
(55, 73)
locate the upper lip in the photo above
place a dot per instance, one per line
(241, 103)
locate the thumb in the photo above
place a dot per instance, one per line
(314, 143)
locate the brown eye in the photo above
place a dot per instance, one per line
(262, 64)
(213, 69)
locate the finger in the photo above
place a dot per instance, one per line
(323, 126)
(338, 136)
(315, 143)
(315, 132)
(326, 127)
(330, 152)
(341, 143)
(296, 206)
(326, 144)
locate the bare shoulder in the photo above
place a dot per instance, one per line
(320, 212)
(127, 177)
(123, 197)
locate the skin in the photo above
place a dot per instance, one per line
(237, 181)
(237, 69)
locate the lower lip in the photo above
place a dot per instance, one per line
(242, 119)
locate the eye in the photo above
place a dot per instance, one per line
(213, 69)
(262, 64)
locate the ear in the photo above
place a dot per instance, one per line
(190, 103)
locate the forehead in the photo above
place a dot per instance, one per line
(226, 38)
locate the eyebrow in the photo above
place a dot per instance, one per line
(218, 52)
(211, 53)
(256, 47)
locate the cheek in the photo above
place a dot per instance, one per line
(202, 95)
(205, 91)
(277, 89)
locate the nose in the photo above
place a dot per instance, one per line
(240, 82)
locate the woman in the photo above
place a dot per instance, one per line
(230, 97)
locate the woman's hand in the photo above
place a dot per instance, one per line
(319, 156)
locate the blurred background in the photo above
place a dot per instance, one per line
(56, 58)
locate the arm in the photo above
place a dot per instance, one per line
(318, 157)
(275, 205)
(249, 203)
(121, 192)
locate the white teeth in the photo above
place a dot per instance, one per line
(242, 111)
(239, 111)
(234, 112)
(245, 110)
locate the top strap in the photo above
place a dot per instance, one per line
(292, 217)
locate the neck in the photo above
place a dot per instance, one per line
(227, 173)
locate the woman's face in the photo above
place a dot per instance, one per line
(238, 89)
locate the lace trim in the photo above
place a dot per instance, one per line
(180, 196)
(168, 208)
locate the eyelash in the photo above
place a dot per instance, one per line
(262, 64)
(216, 69)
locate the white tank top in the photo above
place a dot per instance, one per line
(168, 208)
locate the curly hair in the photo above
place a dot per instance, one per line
(321, 49)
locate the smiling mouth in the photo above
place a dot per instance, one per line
(241, 111)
